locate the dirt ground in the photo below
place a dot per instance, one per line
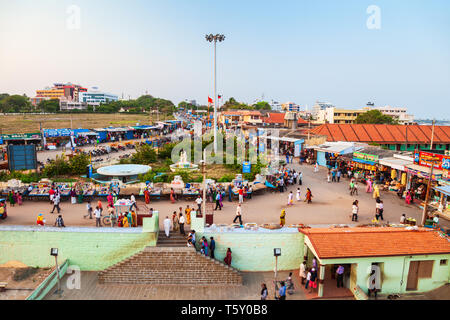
(30, 123)
(19, 290)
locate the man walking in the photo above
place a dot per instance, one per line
(199, 202)
(238, 214)
(300, 177)
(98, 214)
(339, 176)
(167, 226)
(56, 200)
(218, 202)
(89, 210)
(241, 195)
(340, 276)
(212, 247)
(182, 221)
(133, 202)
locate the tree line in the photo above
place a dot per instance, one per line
(143, 104)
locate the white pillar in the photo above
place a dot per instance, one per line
(321, 280)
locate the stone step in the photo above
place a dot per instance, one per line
(168, 264)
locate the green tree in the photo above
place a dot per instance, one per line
(15, 103)
(374, 117)
(262, 105)
(49, 105)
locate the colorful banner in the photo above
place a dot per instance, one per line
(441, 162)
(365, 156)
(21, 136)
(246, 167)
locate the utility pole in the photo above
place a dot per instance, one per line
(204, 182)
(427, 198)
(432, 135)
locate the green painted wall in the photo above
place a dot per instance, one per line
(88, 248)
(395, 272)
(253, 251)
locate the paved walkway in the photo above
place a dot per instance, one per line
(331, 205)
(250, 290)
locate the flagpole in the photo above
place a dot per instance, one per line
(215, 100)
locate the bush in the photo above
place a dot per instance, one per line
(165, 153)
(145, 154)
(78, 163)
(226, 178)
(57, 167)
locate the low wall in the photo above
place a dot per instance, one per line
(88, 248)
(253, 250)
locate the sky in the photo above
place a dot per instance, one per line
(300, 51)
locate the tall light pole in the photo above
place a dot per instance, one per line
(215, 38)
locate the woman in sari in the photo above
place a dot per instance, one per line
(227, 258)
(175, 221)
(376, 192)
(147, 196)
(187, 213)
(11, 198)
(283, 218)
(125, 222)
(172, 195)
(129, 219)
(133, 219)
(408, 198)
(110, 200)
(369, 185)
(19, 199)
(308, 196)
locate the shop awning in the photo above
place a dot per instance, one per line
(395, 163)
(444, 189)
(424, 172)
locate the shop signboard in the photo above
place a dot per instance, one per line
(53, 133)
(246, 167)
(365, 156)
(441, 162)
(20, 136)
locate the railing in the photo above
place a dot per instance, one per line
(44, 288)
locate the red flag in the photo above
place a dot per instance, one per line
(210, 100)
(220, 97)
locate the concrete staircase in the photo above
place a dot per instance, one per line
(170, 265)
(175, 239)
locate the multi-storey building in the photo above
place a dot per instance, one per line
(68, 91)
(95, 97)
(339, 116)
(290, 107)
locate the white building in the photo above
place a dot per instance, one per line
(321, 106)
(94, 97)
(400, 114)
(275, 105)
(65, 104)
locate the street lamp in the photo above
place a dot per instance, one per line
(215, 38)
(54, 252)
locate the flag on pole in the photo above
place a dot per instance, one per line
(220, 97)
(210, 100)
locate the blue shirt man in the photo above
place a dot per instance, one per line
(282, 292)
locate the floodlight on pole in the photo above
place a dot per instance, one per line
(215, 38)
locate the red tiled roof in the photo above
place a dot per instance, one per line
(375, 242)
(241, 112)
(274, 118)
(383, 133)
